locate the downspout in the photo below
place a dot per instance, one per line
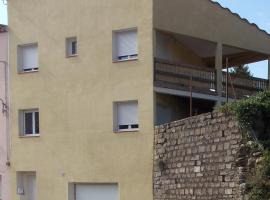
(6, 110)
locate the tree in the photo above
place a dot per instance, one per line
(241, 71)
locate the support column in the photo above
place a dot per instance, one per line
(218, 67)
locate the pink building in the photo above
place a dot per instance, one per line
(4, 138)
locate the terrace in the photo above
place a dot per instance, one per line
(190, 75)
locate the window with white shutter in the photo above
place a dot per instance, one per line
(125, 45)
(126, 116)
(28, 57)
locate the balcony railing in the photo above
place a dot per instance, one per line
(203, 80)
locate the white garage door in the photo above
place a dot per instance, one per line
(97, 192)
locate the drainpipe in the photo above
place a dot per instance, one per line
(6, 109)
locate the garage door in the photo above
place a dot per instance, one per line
(97, 192)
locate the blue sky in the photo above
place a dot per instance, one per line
(256, 11)
(3, 13)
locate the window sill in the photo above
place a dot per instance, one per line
(72, 56)
(127, 60)
(28, 72)
(127, 131)
(29, 136)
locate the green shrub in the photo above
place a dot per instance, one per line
(253, 115)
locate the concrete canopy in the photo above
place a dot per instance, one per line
(207, 20)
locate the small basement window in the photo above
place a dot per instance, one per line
(125, 45)
(71, 47)
(29, 122)
(28, 57)
(126, 116)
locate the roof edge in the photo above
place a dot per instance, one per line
(241, 18)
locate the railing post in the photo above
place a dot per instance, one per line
(190, 98)
(218, 67)
(154, 69)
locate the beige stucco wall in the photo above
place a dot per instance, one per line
(4, 170)
(75, 96)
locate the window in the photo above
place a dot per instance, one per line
(26, 185)
(125, 45)
(29, 122)
(71, 47)
(28, 57)
(93, 191)
(126, 116)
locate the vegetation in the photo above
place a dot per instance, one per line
(253, 115)
(258, 186)
(241, 71)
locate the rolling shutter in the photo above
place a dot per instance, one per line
(29, 57)
(127, 113)
(126, 43)
(97, 192)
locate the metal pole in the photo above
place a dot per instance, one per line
(227, 80)
(190, 99)
(6, 109)
(268, 73)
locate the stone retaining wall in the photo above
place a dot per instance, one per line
(195, 158)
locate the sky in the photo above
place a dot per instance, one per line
(3, 13)
(256, 11)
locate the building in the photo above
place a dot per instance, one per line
(4, 137)
(90, 79)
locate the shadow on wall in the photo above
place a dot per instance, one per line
(171, 108)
